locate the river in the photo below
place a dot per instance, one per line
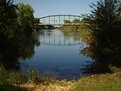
(58, 55)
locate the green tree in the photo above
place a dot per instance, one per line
(66, 21)
(104, 24)
(17, 38)
(25, 15)
(7, 17)
(36, 20)
(76, 21)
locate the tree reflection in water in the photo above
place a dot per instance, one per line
(21, 46)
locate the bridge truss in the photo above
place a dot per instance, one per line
(58, 20)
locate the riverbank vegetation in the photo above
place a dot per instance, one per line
(8, 79)
(81, 29)
(66, 28)
(99, 82)
(34, 81)
(104, 23)
(31, 81)
(18, 39)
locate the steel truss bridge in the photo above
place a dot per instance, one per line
(58, 20)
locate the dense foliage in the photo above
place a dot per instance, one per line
(7, 17)
(25, 15)
(18, 39)
(74, 21)
(17, 36)
(104, 23)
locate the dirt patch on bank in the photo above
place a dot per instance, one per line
(68, 86)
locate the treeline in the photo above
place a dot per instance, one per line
(81, 27)
(74, 21)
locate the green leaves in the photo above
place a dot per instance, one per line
(104, 22)
(25, 15)
(7, 17)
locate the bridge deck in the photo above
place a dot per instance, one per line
(69, 24)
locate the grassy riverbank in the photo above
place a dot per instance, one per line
(97, 82)
(31, 81)
(100, 82)
(82, 30)
(67, 29)
(12, 81)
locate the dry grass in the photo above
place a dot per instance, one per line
(57, 86)
(99, 82)
(102, 82)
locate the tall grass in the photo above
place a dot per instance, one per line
(11, 80)
(8, 80)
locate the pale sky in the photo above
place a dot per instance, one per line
(53, 7)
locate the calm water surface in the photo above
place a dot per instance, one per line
(58, 55)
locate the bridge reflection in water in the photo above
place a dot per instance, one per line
(57, 38)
